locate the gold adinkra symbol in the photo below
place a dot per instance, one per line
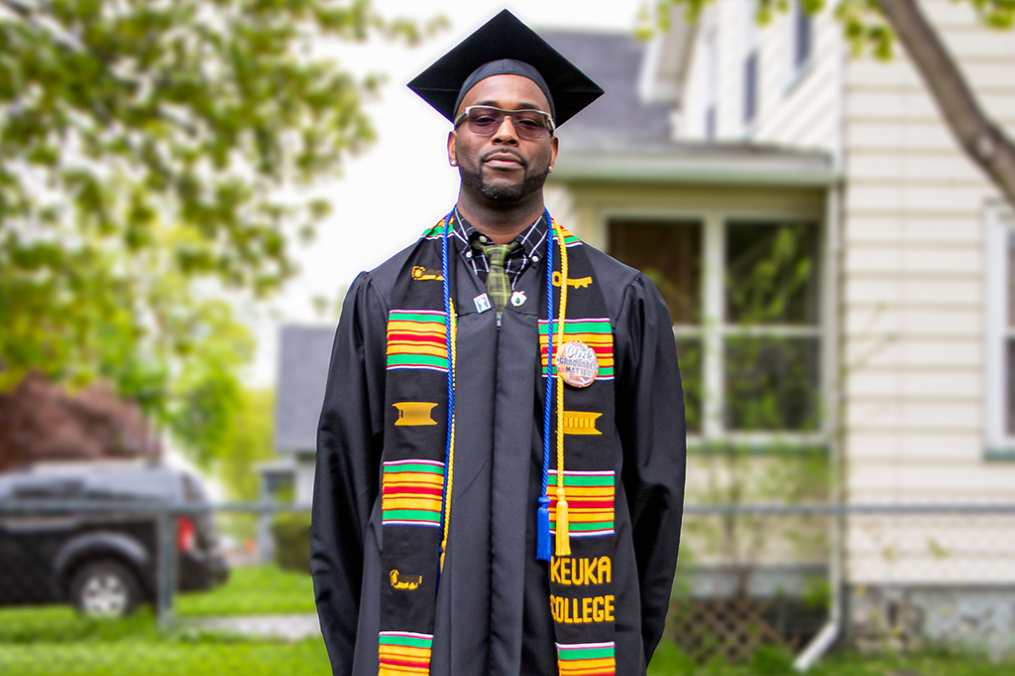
(404, 584)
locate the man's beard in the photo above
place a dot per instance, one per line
(506, 194)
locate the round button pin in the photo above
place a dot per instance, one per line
(577, 363)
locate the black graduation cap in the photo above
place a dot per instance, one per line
(505, 37)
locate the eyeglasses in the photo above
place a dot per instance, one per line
(529, 124)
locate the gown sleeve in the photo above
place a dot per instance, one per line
(346, 478)
(650, 419)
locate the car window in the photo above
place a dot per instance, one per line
(48, 490)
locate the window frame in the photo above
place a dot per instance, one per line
(798, 69)
(713, 330)
(750, 69)
(999, 225)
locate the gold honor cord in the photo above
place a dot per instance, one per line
(563, 539)
(451, 452)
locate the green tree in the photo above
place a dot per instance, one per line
(875, 25)
(153, 154)
(250, 441)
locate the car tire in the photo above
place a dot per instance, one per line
(105, 589)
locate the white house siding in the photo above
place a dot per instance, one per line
(800, 109)
(794, 109)
(912, 316)
(690, 122)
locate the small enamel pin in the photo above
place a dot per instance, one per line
(518, 298)
(577, 363)
(482, 302)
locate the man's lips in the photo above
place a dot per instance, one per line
(503, 161)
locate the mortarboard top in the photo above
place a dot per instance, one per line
(505, 37)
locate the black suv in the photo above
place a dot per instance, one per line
(103, 562)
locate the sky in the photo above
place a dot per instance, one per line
(402, 183)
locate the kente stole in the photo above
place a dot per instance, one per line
(417, 462)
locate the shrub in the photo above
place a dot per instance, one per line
(292, 541)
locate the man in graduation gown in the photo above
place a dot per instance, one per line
(463, 377)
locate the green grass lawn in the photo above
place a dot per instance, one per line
(168, 656)
(55, 641)
(257, 590)
(668, 661)
(253, 590)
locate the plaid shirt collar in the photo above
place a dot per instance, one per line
(531, 239)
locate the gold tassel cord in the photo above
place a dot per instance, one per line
(563, 536)
(451, 453)
(563, 539)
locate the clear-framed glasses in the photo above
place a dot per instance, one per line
(529, 124)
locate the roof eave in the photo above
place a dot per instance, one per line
(796, 171)
(666, 62)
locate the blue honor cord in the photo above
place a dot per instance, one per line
(544, 547)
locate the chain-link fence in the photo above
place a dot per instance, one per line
(877, 578)
(130, 588)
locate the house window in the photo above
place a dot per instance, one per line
(669, 253)
(1000, 331)
(711, 84)
(802, 33)
(744, 297)
(771, 327)
(750, 12)
(750, 87)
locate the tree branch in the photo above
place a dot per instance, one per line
(983, 140)
(16, 8)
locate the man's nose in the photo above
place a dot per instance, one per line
(506, 131)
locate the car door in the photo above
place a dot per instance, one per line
(30, 538)
(12, 562)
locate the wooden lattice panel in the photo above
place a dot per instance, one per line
(728, 628)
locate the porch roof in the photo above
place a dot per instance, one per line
(614, 157)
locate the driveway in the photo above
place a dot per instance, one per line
(284, 627)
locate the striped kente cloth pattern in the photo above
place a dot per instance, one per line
(404, 653)
(416, 340)
(411, 493)
(596, 333)
(589, 502)
(586, 659)
(569, 239)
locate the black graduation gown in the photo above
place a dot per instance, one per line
(493, 611)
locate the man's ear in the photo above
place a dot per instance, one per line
(553, 152)
(452, 149)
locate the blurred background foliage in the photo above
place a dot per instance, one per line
(157, 162)
(250, 441)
